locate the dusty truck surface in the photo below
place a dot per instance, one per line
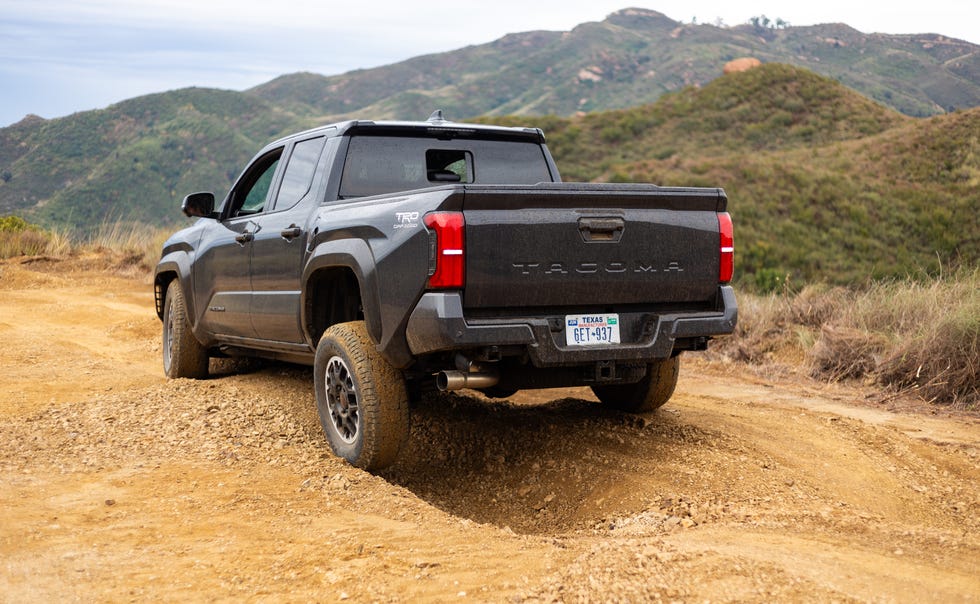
(396, 257)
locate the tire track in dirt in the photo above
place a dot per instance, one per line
(120, 485)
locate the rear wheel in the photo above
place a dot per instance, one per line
(183, 355)
(361, 399)
(648, 394)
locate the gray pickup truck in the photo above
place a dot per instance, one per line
(399, 256)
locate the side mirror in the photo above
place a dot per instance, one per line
(200, 205)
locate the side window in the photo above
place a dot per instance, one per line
(298, 177)
(252, 191)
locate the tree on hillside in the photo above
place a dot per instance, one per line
(763, 22)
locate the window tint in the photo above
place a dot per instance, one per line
(510, 163)
(298, 177)
(378, 165)
(249, 196)
(386, 164)
(255, 200)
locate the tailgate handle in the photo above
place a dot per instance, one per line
(605, 230)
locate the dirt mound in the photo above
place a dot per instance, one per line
(122, 485)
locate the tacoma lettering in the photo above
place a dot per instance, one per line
(591, 268)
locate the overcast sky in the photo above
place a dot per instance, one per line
(62, 56)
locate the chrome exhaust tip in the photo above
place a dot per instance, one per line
(457, 380)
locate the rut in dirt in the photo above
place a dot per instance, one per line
(571, 465)
(553, 467)
(547, 463)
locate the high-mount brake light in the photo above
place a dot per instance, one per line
(448, 269)
(727, 248)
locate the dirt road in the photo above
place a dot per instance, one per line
(118, 485)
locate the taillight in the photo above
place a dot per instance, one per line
(727, 248)
(450, 260)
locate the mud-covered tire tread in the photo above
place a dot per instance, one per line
(188, 358)
(649, 394)
(383, 398)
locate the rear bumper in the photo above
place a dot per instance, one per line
(438, 324)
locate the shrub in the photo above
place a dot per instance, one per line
(816, 305)
(919, 336)
(761, 329)
(21, 238)
(845, 353)
(128, 246)
(769, 280)
(16, 224)
(942, 360)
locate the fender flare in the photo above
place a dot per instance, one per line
(174, 265)
(353, 254)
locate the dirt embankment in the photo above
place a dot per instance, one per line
(120, 485)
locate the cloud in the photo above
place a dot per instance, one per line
(56, 62)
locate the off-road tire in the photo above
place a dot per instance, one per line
(648, 394)
(183, 355)
(361, 398)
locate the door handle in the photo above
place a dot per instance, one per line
(290, 233)
(248, 233)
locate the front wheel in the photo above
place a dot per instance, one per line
(360, 397)
(183, 355)
(648, 394)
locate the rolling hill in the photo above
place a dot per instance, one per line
(134, 160)
(825, 184)
(631, 58)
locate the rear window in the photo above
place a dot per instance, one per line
(386, 164)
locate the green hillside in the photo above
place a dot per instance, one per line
(631, 58)
(824, 183)
(774, 107)
(134, 160)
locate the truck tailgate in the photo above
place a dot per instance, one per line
(590, 245)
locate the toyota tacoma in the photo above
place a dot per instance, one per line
(399, 256)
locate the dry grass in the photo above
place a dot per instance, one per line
(914, 336)
(761, 331)
(134, 245)
(845, 353)
(127, 247)
(941, 360)
(23, 243)
(20, 238)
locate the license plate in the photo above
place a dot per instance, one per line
(591, 330)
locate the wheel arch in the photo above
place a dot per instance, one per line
(168, 270)
(338, 288)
